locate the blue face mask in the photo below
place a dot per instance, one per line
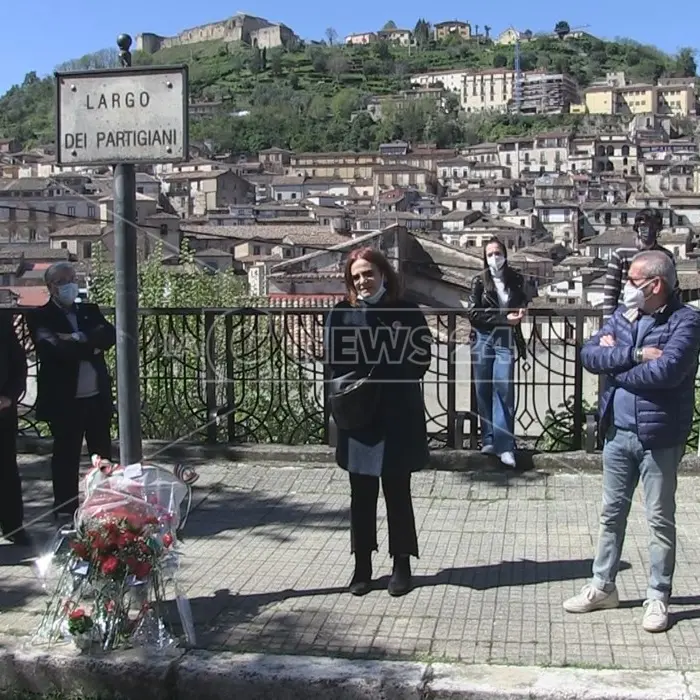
(68, 293)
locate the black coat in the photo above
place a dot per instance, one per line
(484, 307)
(13, 361)
(59, 360)
(357, 341)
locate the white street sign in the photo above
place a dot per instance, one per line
(123, 115)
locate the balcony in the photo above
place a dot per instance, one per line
(254, 375)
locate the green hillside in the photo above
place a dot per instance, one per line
(304, 98)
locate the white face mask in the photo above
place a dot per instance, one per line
(373, 298)
(496, 262)
(634, 297)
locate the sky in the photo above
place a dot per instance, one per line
(36, 39)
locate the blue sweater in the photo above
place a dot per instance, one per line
(663, 389)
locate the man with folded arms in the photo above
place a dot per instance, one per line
(648, 352)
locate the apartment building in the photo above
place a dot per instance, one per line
(546, 93)
(32, 208)
(642, 98)
(494, 89)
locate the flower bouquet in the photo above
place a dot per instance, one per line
(118, 560)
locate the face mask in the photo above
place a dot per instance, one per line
(68, 293)
(633, 297)
(373, 298)
(645, 237)
(496, 262)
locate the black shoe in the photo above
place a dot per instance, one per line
(20, 538)
(361, 583)
(400, 581)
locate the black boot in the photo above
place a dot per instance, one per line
(400, 581)
(361, 583)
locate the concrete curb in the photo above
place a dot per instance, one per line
(225, 675)
(323, 456)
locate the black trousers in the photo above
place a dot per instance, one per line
(84, 418)
(364, 492)
(11, 506)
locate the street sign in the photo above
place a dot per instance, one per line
(122, 115)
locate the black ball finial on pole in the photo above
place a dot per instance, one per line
(124, 44)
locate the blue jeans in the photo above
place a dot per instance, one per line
(493, 362)
(624, 461)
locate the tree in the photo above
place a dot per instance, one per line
(686, 66)
(487, 32)
(562, 28)
(500, 60)
(337, 65)
(276, 63)
(421, 33)
(262, 380)
(388, 26)
(331, 36)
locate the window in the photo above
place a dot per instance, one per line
(608, 218)
(64, 244)
(32, 235)
(163, 230)
(87, 249)
(623, 217)
(91, 212)
(256, 250)
(71, 211)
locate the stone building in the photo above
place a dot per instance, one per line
(255, 31)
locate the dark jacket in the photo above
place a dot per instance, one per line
(59, 360)
(399, 349)
(484, 308)
(13, 361)
(664, 388)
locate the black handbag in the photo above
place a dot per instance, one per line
(354, 400)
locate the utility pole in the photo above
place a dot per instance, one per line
(127, 300)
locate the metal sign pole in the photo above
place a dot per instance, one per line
(127, 301)
(119, 117)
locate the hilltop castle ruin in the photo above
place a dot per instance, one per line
(255, 31)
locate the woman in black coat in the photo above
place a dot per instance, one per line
(496, 309)
(375, 330)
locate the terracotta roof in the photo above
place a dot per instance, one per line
(30, 296)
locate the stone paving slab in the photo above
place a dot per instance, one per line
(267, 563)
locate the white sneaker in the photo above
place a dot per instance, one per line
(508, 458)
(655, 616)
(488, 450)
(590, 598)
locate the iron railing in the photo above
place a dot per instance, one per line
(255, 375)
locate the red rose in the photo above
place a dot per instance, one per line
(80, 549)
(167, 540)
(110, 565)
(142, 569)
(77, 614)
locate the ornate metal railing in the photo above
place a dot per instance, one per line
(255, 375)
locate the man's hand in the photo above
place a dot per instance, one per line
(5, 403)
(607, 341)
(649, 354)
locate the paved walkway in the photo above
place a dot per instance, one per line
(267, 563)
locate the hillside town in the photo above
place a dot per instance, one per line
(562, 201)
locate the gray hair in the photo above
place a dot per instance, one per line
(656, 263)
(54, 271)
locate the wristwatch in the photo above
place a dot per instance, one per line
(638, 357)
